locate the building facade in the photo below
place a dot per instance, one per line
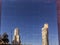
(45, 35)
(58, 17)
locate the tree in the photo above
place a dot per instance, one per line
(5, 38)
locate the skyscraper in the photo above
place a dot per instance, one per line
(58, 17)
(16, 37)
(45, 35)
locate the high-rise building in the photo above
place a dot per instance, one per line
(58, 17)
(45, 35)
(16, 37)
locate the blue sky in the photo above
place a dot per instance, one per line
(29, 16)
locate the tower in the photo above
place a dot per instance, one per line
(58, 18)
(16, 37)
(45, 35)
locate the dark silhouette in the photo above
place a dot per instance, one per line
(0, 39)
(5, 38)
